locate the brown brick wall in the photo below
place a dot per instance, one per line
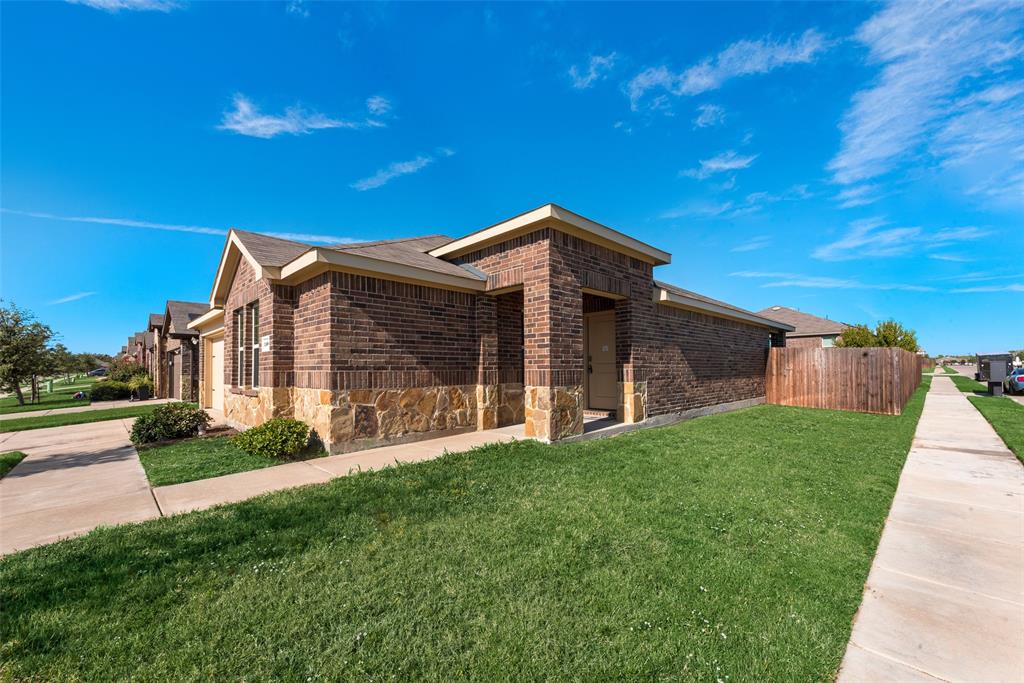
(804, 342)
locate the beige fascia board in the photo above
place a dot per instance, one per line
(208, 322)
(602, 294)
(229, 261)
(551, 215)
(666, 298)
(316, 261)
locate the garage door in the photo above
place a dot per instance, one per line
(217, 374)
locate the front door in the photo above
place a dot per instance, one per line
(217, 374)
(602, 389)
(175, 379)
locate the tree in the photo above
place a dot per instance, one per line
(23, 352)
(886, 333)
(63, 361)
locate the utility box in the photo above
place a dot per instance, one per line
(996, 375)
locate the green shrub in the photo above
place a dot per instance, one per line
(110, 390)
(280, 438)
(123, 370)
(169, 421)
(139, 381)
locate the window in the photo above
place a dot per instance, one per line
(254, 321)
(239, 369)
(828, 342)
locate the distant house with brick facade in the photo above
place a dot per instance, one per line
(177, 351)
(532, 320)
(808, 330)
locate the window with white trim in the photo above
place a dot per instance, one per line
(254, 321)
(239, 370)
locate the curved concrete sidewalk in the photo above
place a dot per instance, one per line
(945, 597)
(78, 477)
(72, 480)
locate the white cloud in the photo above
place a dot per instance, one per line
(916, 110)
(1016, 287)
(172, 227)
(71, 297)
(753, 244)
(298, 7)
(752, 203)
(378, 105)
(726, 161)
(397, 169)
(950, 257)
(130, 5)
(709, 115)
(597, 69)
(246, 119)
(742, 58)
(858, 195)
(864, 238)
(822, 282)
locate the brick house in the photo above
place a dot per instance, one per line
(533, 320)
(177, 351)
(153, 330)
(808, 330)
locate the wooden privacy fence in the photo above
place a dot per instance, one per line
(873, 380)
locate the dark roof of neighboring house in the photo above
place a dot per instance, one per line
(149, 339)
(411, 251)
(806, 325)
(181, 313)
(708, 300)
(156, 320)
(138, 337)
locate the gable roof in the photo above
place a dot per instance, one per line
(671, 295)
(180, 313)
(804, 324)
(562, 219)
(156, 320)
(411, 251)
(267, 251)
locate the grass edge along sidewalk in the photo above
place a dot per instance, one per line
(63, 419)
(59, 398)
(1007, 417)
(731, 547)
(9, 460)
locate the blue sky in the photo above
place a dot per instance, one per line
(856, 161)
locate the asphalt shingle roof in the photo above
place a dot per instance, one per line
(706, 299)
(806, 325)
(156, 320)
(182, 313)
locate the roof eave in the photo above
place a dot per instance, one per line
(666, 297)
(318, 260)
(207, 320)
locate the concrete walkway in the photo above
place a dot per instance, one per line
(231, 488)
(72, 480)
(945, 597)
(78, 477)
(98, 405)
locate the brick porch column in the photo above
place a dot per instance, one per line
(487, 391)
(552, 348)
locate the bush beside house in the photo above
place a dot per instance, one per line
(170, 421)
(280, 438)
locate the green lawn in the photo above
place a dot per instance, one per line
(968, 385)
(23, 423)
(733, 547)
(950, 371)
(1006, 417)
(60, 398)
(198, 459)
(7, 463)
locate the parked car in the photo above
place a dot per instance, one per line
(1014, 382)
(98, 372)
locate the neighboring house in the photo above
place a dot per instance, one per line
(178, 364)
(809, 330)
(138, 348)
(155, 328)
(535, 319)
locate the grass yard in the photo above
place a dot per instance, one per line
(43, 421)
(199, 459)
(732, 547)
(968, 385)
(1006, 417)
(8, 461)
(60, 398)
(950, 370)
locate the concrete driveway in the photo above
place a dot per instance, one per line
(73, 479)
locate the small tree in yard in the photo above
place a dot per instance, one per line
(63, 361)
(886, 333)
(23, 352)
